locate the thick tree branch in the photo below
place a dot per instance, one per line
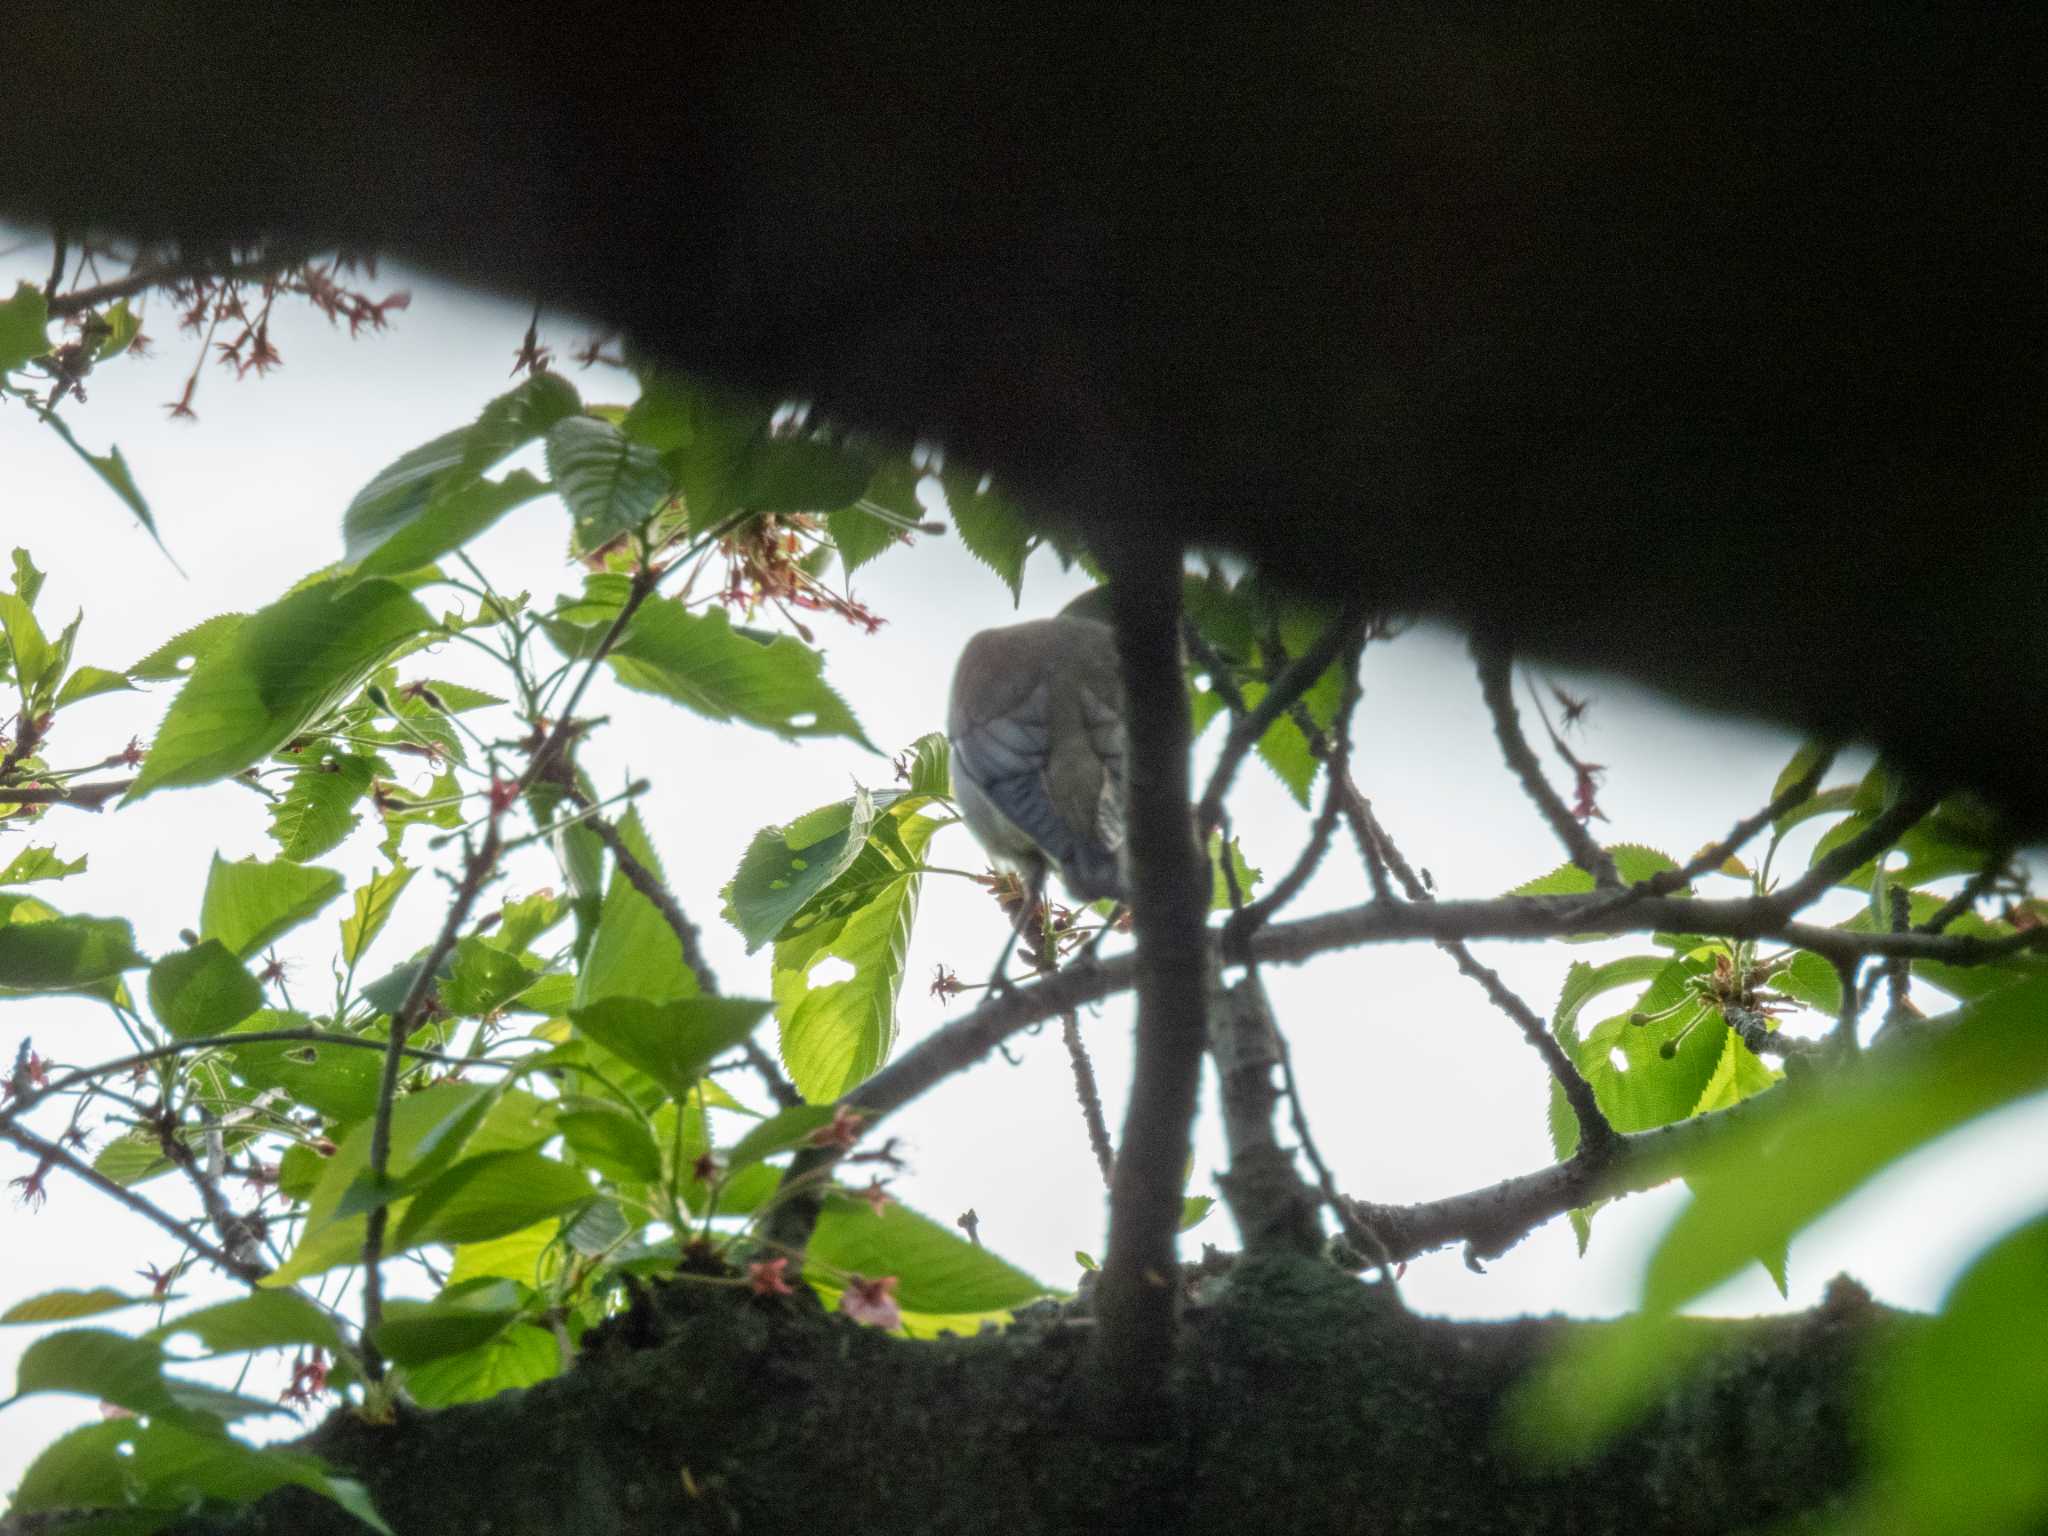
(81, 797)
(1496, 684)
(1137, 1299)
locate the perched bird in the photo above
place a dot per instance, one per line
(1037, 731)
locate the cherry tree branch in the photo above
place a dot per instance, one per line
(1496, 684)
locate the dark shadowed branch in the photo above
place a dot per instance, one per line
(1496, 683)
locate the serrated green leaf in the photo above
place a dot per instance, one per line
(611, 1139)
(700, 661)
(32, 864)
(634, 952)
(836, 1035)
(936, 1269)
(338, 1081)
(993, 530)
(260, 1320)
(123, 325)
(433, 499)
(202, 990)
(1633, 862)
(784, 868)
(489, 1195)
(90, 682)
(521, 1356)
(249, 904)
(67, 1306)
(414, 1332)
(373, 904)
(45, 951)
(279, 671)
(611, 484)
(1833, 1144)
(169, 661)
(671, 1042)
(516, 1256)
(483, 979)
(114, 473)
(28, 649)
(317, 810)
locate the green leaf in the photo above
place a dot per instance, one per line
(432, 500)
(1959, 1410)
(634, 953)
(132, 1158)
(611, 1139)
(249, 905)
(123, 325)
(32, 864)
(1195, 1209)
(1632, 861)
(784, 868)
(611, 484)
(24, 323)
(880, 518)
(1219, 886)
(114, 473)
(90, 682)
(490, 1195)
(414, 1332)
(279, 671)
(27, 647)
(261, 1320)
(993, 530)
(42, 951)
(520, 1256)
(519, 1357)
(671, 1042)
(28, 581)
(483, 979)
(936, 1269)
(372, 905)
(169, 661)
(94, 1362)
(338, 1081)
(318, 808)
(838, 1034)
(701, 662)
(202, 991)
(1995, 1053)
(67, 1306)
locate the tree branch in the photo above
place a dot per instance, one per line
(475, 876)
(168, 274)
(644, 880)
(1885, 829)
(49, 1152)
(1496, 684)
(1250, 726)
(1137, 1299)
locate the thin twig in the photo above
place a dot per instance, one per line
(1973, 891)
(1496, 684)
(81, 797)
(55, 1155)
(1709, 859)
(1245, 732)
(1885, 829)
(477, 873)
(649, 885)
(1089, 1095)
(168, 274)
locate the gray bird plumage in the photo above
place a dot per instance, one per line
(1037, 731)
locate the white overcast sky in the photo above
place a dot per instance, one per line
(1415, 1086)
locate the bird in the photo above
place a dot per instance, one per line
(1036, 726)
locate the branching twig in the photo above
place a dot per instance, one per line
(1496, 683)
(476, 874)
(1089, 1095)
(1709, 859)
(167, 274)
(644, 880)
(1886, 828)
(1247, 728)
(54, 1155)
